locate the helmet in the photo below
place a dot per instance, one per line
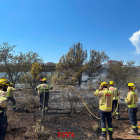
(132, 85)
(104, 84)
(11, 84)
(4, 80)
(111, 83)
(2, 83)
(44, 79)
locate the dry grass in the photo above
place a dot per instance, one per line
(37, 131)
(96, 126)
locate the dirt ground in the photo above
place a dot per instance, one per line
(27, 124)
(81, 123)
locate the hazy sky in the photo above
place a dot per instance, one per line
(50, 27)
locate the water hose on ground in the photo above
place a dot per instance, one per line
(85, 103)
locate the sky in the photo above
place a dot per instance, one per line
(51, 27)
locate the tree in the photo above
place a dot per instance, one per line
(122, 74)
(32, 76)
(94, 65)
(28, 59)
(15, 66)
(71, 66)
(6, 58)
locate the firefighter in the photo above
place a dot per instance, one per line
(41, 88)
(39, 93)
(3, 117)
(105, 108)
(131, 100)
(4, 86)
(9, 95)
(115, 99)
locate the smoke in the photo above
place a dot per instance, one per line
(135, 40)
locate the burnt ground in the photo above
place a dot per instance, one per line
(81, 123)
(84, 126)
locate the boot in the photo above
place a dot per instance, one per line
(132, 132)
(14, 109)
(102, 138)
(110, 137)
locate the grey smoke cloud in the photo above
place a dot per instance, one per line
(135, 40)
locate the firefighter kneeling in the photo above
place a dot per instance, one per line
(105, 108)
(3, 117)
(131, 100)
(41, 88)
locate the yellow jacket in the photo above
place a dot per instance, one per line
(106, 98)
(41, 88)
(10, 91)
(3, 100)
(116, 92)
(132, 99)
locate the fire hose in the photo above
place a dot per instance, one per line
(85, 103)
(83, 100)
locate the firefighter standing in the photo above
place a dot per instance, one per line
(39, 93)
(9, 95)
(3, 117)
(131, 100)
(105, 108)
(41, 88)
(115, 99)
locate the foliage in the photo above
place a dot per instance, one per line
(33, 75)
(37, 130)
(122, 74)
(6, 58)
(15, 66)
(71, 66)
(95, 63)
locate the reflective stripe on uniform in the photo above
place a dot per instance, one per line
(134, 126)
(3, 98)
(106, 108)
(117, 113)
(110, 129)
(132, 106)
(14, 106)
(1, 111)
(103, 129)
(45, 108)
